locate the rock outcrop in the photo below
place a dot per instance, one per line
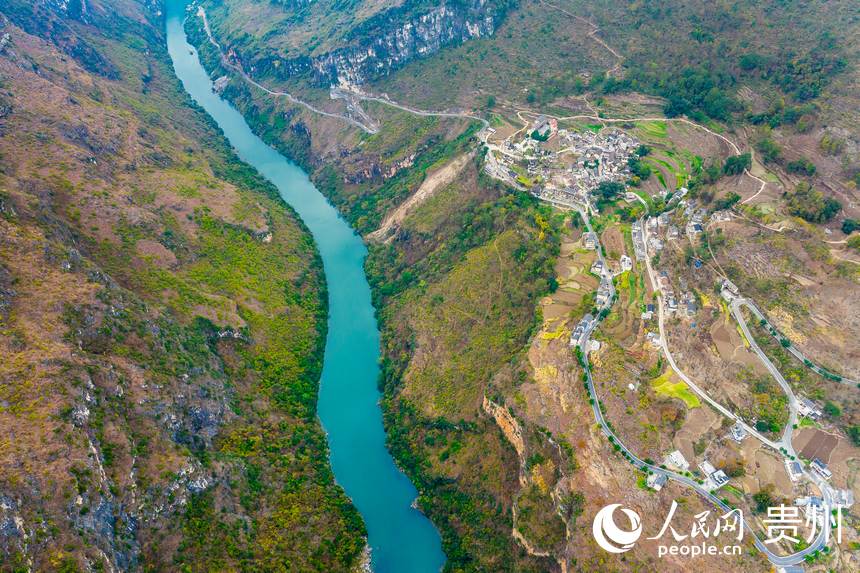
(388, 41)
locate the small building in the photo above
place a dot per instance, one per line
(843, 498)
(597, 267)
(806, 408)
(730, 287)
(809, 502)
(694, 229)
(578, 335)
(794, 469)
(591, 241)
(671, 304)
(656, 481)
(707, 468)
(655, 244)
(639, 248)
(603, 295)
(729, 291)
(738, 433)
(722, 215)
(691, 307)
(677, 460)
(719, 479)
(542, 126)
(715, 478)
(626, 263)
(821, 468)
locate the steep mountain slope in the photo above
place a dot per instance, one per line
(483, 397)
(329, 43)
(484, 401)
(162, 319)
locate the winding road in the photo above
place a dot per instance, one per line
(368, 128)
(744, 302)
(784, 447)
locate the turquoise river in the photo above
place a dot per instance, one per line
(401, 538)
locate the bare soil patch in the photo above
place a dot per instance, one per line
(432, 182)
(818, 444)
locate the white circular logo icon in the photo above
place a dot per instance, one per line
(609, 536)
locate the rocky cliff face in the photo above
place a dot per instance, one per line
(389, 40)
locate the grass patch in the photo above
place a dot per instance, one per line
(654, 129)
(665, 386)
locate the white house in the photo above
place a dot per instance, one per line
(676, 459)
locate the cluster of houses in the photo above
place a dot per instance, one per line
(685, 306)
(599, 157)
(602, 270)
(655, 242)
(580, 333)
(675, 460)
(604, 292)
(814, 505)
(639, 250)
(695, 219)
(795, 469)
(661, 228)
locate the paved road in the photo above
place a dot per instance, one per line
(777, 560)
(422, 112)
(735, 307)
(745, 302)
(370, 128)
(664, 345)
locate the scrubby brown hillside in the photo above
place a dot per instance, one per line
(161, 321)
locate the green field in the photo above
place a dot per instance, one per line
(653, 129)
(664, 386)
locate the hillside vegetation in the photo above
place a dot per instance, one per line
(162, 320)
(462, 280)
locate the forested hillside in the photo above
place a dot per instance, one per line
(483, 397)
(162, 320)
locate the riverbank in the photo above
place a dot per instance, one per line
(401, 539)
(471, 234)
